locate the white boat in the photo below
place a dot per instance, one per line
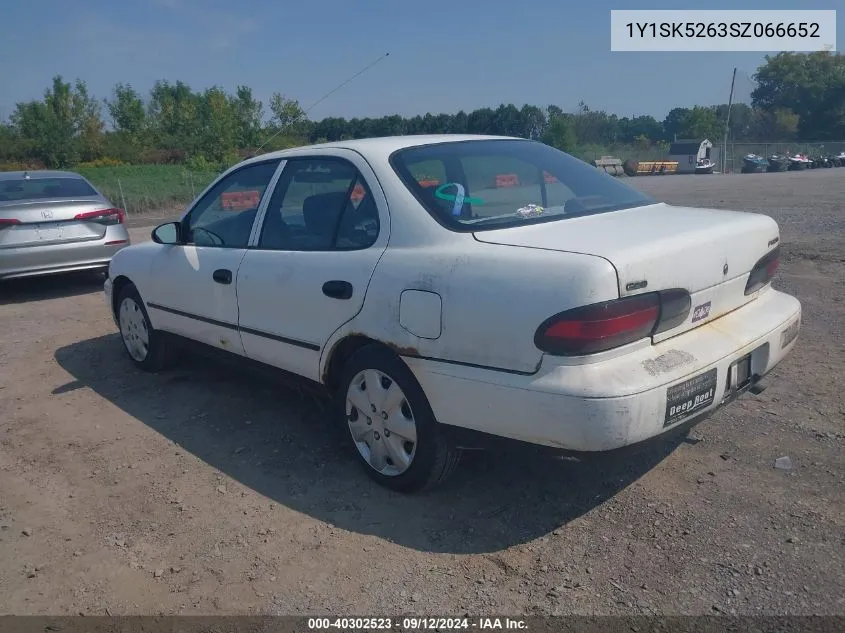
(799, 161)
(705, 166)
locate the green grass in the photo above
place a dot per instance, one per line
(148, 187)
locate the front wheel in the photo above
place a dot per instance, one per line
(146, 347)
(390, 423)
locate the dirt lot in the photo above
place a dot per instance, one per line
(202, 491)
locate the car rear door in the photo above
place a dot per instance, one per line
(192, 287)
(323, 231)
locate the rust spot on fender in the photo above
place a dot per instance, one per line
(403, 350)
(668, 361)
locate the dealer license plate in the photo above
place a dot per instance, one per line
(690, 396)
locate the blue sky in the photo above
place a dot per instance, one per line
(444, 55)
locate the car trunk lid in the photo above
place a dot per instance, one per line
(43, 222)
(707, 252)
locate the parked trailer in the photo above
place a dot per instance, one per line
(650, 167)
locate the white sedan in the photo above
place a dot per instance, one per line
(450, 289)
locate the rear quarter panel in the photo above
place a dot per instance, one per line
(492, 299)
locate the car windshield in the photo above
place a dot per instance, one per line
(491, 184)
(16, 189)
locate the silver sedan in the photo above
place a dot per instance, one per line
(55, 222)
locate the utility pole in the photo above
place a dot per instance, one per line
(727, 125)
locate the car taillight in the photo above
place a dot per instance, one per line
(102, 216)
(763, 271)
(8, 221)
(609, 324)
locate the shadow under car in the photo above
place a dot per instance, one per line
(284, 446)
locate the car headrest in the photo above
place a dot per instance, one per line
(321, 212)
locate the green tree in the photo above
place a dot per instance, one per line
(460, 123)
(779, 125)
(701, 123)
(217, 125)
(129, 120)
(533, 122)
(62, 128)
(594, 127)
(287, 114)
(674, 123)
(812, 85)
(480, 121)
(11, 144)
(639, 127)
(127, 111)
(741, 120)
(173, 113)
(248, 113)
(560, 133)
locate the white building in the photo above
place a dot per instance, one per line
(689, 151)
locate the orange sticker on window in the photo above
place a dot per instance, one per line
(507, 180)
(240, 200)
(357, 193)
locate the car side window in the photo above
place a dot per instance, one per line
(225, 215)
(318, 205)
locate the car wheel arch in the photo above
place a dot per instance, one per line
(118, 284)
(344, 349)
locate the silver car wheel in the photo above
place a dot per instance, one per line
(133, 329)
(381, 422)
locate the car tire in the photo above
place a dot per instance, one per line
(380, 437)
(146, 347)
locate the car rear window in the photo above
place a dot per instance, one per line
(493, 184)
(44, 188)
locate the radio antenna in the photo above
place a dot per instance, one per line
(321, 99)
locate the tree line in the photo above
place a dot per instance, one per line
(798, 97)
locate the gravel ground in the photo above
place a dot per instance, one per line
(205, 491)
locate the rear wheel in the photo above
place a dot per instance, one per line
(390, 424)
(147, 348)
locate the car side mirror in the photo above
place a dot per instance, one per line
(170, 233)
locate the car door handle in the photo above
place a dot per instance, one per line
(222, 276)
(337, 289)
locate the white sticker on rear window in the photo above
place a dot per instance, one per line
(530, 210)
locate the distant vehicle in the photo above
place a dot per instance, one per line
(754, 164)
(777, 162)
(56, 222)
(799, 162)
(442, 306)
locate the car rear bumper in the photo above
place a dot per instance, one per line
(619, 401)
(27, 261)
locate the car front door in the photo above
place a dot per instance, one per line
(193, 289)
(323, 231)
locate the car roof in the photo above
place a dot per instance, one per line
(386, 145)
(37, 173)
